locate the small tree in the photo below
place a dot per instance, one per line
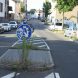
(65, 6)
(32, 11)
(22, 8)
(46, 8)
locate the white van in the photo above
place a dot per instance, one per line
(56, 26)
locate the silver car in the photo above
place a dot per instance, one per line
(13, 24)
(6, 26)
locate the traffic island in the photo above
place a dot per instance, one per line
(38, 57)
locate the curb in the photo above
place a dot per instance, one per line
(41, 63)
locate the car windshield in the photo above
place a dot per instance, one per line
(12, 22)
(5, 24)
(58, 24)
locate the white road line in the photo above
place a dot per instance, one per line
(50, 75)
(14, 43)
(53, 76)
(38, 42)
(35, 40)
(11, 75)
(42, 46)
(47, 45)
(57, 75)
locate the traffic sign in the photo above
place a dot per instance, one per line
(23, 30)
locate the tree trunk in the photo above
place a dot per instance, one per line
(77, 16)
(63, 20)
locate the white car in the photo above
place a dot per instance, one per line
(13, 24)
(51, 27)
(70, 32)
(56, 26)
(6, 26)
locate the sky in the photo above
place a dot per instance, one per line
(34, 4)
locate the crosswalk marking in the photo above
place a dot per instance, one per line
(38, 42)
(42, 46)
(11, 75)
(53, 75)
(57, 75)
(50, 75)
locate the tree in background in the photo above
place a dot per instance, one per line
(32, 11)
(65, 6)
(46, 8)
(22, 7)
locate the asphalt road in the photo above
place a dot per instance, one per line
(64, 53)
(6, 40)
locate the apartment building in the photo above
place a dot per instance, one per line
(71, 15)
(2, 10)
(11, 12)
(16, 13)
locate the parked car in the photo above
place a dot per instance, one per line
(42, 19)
(56, 26)
(70, 32)
(1, 29)
(6, 26)
(51, 27)
(13, 24)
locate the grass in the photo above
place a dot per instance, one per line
(59, 31)
(74, 38)
(8, 35)
(62, 32)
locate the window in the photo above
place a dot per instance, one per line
(1, 7)
(12, 22)
(59, 24)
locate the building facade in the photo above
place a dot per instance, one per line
(2, 10)
(71, 15)
(17, 9)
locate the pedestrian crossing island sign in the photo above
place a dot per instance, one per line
(23, 31)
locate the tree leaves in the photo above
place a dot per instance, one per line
(66, 5)
(46, 8)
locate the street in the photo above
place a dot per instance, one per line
(63, 51)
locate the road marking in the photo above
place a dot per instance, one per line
(46, 45)
(53, 75)
(11, 75)
(50, 75)
(14, 43)
(35, 40)
(42, 46)
(38, 42)
(57, 75)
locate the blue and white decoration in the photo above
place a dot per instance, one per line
(24, 31)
